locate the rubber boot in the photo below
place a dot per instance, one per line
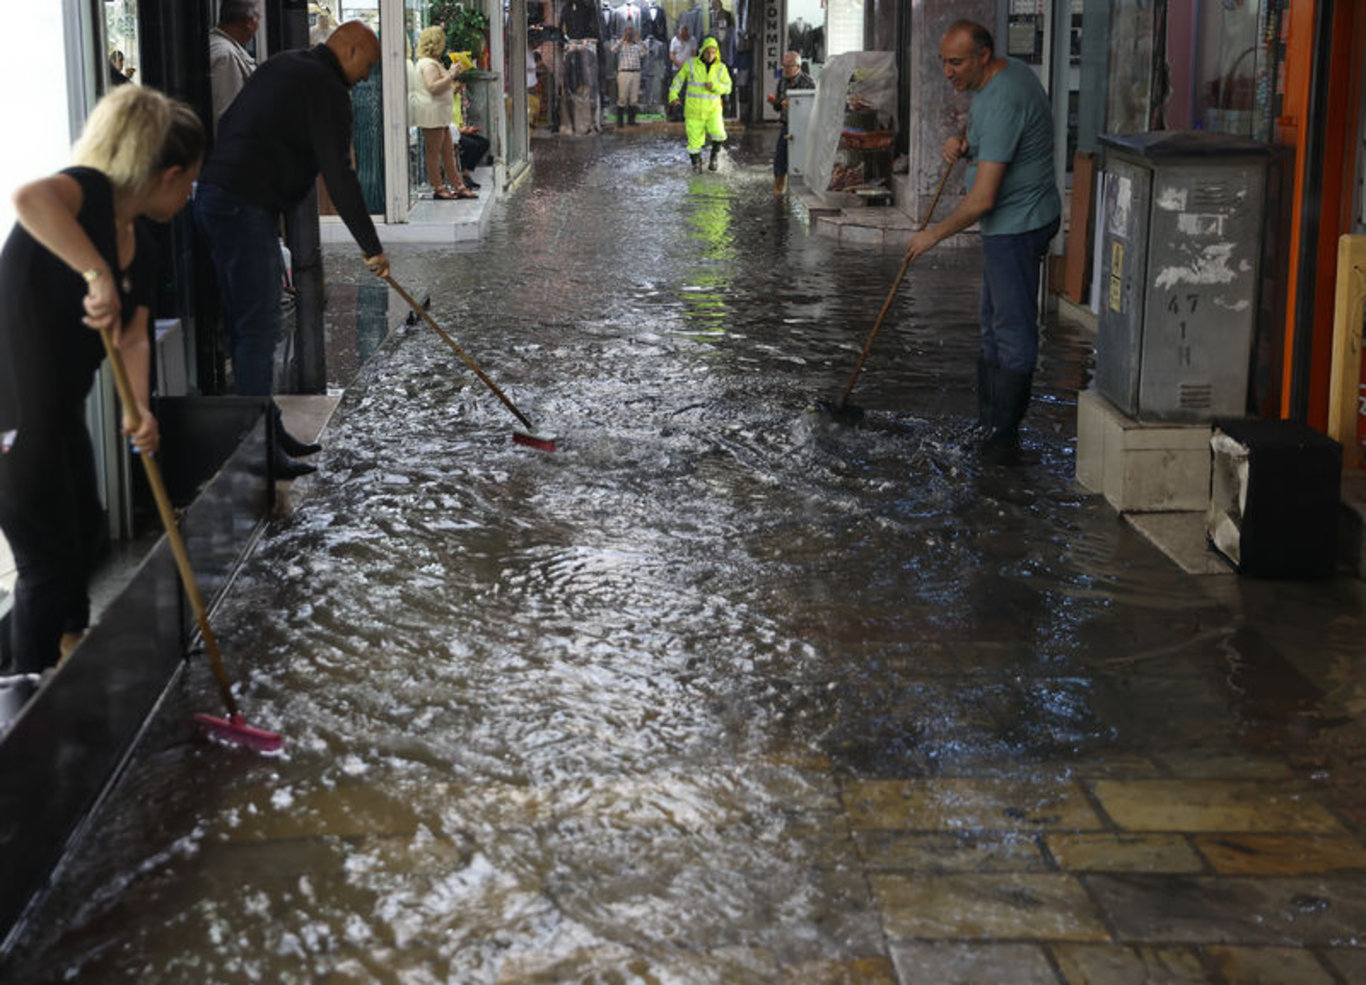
(984, 379)
(780, 185)
(715, 152)
(621, 117)
(696, 162)
(631, 116)
(1009, 401)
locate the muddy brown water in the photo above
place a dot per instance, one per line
(585, 716)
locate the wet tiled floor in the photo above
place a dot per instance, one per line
(1015, 747)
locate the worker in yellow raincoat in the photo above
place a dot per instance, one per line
(708, 80)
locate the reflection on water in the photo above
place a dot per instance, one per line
(585, 716)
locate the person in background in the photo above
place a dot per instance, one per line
(117, 76)
(681, 48)
(322, 29)
(290, 123)
(432, 113)
(474, 146)
(533, 95)
(708, 81)
(792, 78)
(230, 64)
(79, 260)
(629, 51)
(1013, 194)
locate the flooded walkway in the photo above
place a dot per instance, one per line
(723, 692)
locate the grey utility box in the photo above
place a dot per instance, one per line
(1181, 251)
(800, 102)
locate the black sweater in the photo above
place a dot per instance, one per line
(290, 122)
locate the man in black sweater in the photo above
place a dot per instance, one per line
(291, 122)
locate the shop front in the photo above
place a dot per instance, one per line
(388, 146)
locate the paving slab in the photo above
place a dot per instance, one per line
(1123, 853)
(855, 971)
(1211, 805)
(968, 804)
(968, 852)
(1281, 855)
(1012, 906)
(1269, 966)
(972, 964)
(1089, 964)
(1210, 910)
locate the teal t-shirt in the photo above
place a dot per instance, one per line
(1012, 123)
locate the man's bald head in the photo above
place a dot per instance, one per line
(357, 48)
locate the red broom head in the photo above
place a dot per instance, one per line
(237, 732)
(541, 442)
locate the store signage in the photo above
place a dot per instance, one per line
(772, 53)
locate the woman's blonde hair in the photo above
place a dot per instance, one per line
(136, 132)
(431, 43)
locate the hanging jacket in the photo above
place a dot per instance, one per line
(701, 101)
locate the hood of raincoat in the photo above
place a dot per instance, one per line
(709, 43)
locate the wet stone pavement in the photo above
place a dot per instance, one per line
(723, 692)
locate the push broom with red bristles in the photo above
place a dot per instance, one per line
(232, 730)
(530, 437)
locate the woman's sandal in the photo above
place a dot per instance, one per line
(446, 194)
(464, 193)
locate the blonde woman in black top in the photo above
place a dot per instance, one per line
(77, 261)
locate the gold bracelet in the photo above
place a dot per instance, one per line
(92, 275)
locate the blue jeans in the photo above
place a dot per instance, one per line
(780, 152)
(242, 238)
(1010, 297)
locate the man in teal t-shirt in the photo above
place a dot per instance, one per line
(1011, 192)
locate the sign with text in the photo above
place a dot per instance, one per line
(771, 51)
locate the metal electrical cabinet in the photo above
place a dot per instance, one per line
(799, 105)
(1180, 265)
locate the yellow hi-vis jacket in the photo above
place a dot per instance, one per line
(701, 102)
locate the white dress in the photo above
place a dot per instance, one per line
(429, 111)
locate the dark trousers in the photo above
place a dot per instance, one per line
(474, 147)
(1010, 297)
(780, 152)
(246, 255)
(51, 515)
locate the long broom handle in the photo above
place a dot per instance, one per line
(461, 353)
(168, 520)
(877, 325)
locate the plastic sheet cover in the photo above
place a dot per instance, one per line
(863, 80)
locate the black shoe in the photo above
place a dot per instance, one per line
(285, 468)
(696, 162)
(715, 153)
(472, 184)
(293, 447)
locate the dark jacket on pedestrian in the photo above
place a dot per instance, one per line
(802, 81)
(290, 123)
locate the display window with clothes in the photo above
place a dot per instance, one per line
(631, 73)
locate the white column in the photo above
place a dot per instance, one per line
(394, 98)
